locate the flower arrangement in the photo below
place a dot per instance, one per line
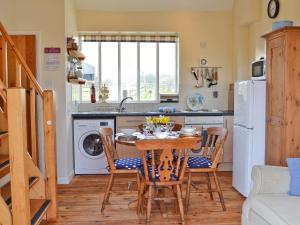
(158, 120)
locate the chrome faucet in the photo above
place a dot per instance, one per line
(121, 108)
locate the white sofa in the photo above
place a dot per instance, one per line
(268, 202)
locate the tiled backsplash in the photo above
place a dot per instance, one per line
(209, 103)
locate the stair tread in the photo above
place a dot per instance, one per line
(3, 134)
(38, 208)
(4, 161)
(32, 181)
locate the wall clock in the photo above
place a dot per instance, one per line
(273, 8)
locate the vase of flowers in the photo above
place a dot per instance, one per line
(157, 122)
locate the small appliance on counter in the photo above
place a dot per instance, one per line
(259, 69)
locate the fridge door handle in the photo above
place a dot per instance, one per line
(243, 126)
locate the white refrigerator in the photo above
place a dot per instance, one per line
(248, 131)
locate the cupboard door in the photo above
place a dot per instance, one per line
(275, 154)
(292, 93)
(275, 101)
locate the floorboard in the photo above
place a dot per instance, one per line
(79, 203)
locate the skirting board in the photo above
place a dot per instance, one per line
(65, 180)
(225, 167)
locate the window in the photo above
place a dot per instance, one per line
(143, 68)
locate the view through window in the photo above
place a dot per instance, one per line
(143, 69)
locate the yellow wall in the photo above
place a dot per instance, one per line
(214, 28)
(70, 30)
(240, 42)
(256, 22)
(289, 10)
(46, 19)
(7, 9)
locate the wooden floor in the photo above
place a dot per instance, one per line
(79, 204)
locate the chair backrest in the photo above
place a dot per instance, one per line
(106, 135)
(177, 127)
(216, 137)
(165, 167)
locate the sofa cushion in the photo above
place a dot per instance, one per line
(277, 209)
(294, 168)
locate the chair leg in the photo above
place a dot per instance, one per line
(138, 180)
(107, 192)
(188, 192)
(175, 202)
(180, 204)
(209, 186)
(140, 198)
(219, 191)
(149, 204)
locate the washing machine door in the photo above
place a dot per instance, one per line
(91, 146)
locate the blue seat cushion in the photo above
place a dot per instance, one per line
(173, 176)
(294, 169)
(129, 163)
(199, 162)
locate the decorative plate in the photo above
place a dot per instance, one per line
(195, 102)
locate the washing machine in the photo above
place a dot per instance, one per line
(89, 155)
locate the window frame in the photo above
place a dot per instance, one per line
(157, 86)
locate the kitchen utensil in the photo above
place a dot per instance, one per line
(196, 75)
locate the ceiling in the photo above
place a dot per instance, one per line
(155, 5)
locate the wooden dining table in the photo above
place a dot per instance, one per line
(130, 141)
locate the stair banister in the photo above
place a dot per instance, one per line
(21, 60)
(16, 108)
(21, 164)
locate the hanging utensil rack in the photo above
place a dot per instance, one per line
(205, 74)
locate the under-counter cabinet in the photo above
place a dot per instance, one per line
(226, 163)
(283, 95)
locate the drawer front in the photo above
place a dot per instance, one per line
(135, 121)
(129, 122)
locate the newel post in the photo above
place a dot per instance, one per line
(50, 152)
(16, 110)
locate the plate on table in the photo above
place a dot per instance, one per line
(124, 137)
(195, 102)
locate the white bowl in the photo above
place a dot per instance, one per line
(127, 131)
(187, 130)
(161, 135)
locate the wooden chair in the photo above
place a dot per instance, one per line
(177, 127)
(117, 166)
(208, 163)
(164, 170)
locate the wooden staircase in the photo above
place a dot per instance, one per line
(28, 197)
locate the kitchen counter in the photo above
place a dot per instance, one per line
(94, 115)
